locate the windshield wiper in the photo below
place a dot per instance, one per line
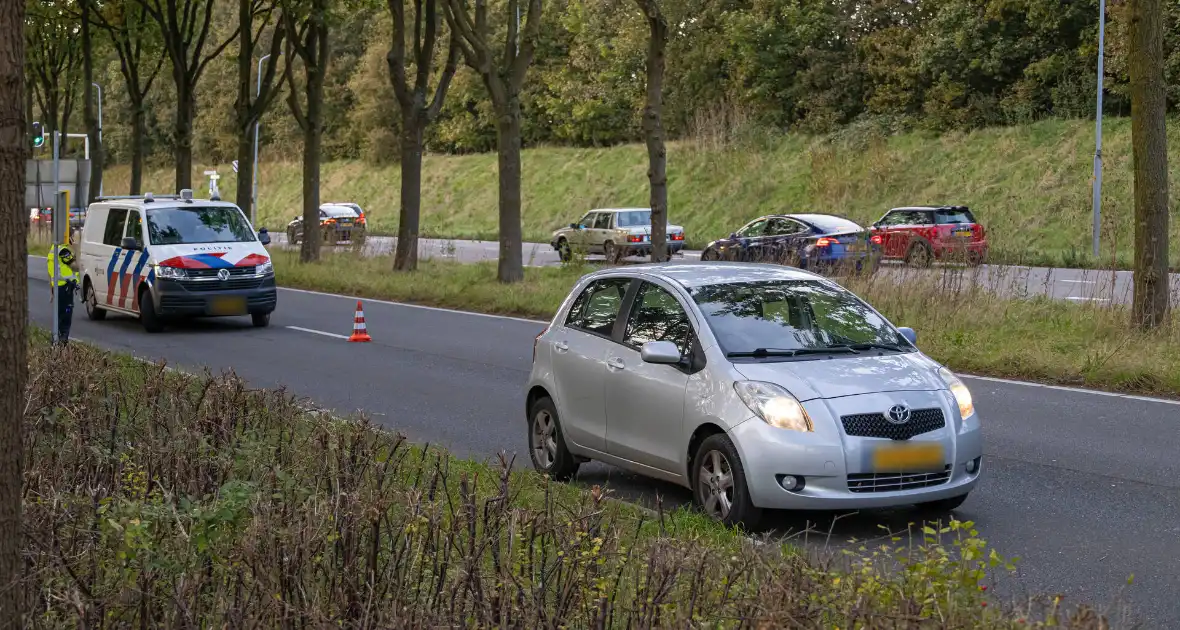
(777, 352)
(879, 346)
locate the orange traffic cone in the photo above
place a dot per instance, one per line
(359, 333)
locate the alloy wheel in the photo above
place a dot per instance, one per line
(715, 485)
(544, 439)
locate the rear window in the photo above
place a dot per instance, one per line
(193, 224)
(953, 216)
(829, 224)
(336, 212)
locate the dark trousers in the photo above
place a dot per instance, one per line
(65, 310)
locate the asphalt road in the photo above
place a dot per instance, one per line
(1077, 285)
(1083, 487)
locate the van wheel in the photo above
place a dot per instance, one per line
(147, 313)
(260, 320)
(719, 484)
(93, 311)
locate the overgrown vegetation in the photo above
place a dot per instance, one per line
(975, 322)
(778, 64)
(154, 499)
(1029, 185)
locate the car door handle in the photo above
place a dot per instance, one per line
(615, 363)
(561, 346)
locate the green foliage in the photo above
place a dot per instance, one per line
(155, 499)
(812, 65)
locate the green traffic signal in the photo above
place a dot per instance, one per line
(38, 136)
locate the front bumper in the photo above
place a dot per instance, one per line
(832, 463)
(238, 296)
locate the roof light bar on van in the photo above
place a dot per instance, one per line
(186, 194)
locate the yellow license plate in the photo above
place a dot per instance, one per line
(232, 305)
(923, 457)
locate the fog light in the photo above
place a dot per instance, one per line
(791, 483)
(973, 465)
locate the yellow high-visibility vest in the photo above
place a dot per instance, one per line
(65, 273)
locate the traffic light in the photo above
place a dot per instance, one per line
(38, 136)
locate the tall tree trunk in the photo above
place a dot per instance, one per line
(653, 128)
(242, 105)
(508, 141)
(14, 223)
(138, 146)
(88, 108)
(406, 256)
(185, 109)
(245, 171)
(1150, 156)
(309, 250)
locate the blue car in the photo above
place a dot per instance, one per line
(806, 241)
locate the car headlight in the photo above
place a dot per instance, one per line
(170, 273)
(962, 394)
(775, 405)
(265, 269)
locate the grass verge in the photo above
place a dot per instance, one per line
(157, 499)
(958, 316)
(1030, 185)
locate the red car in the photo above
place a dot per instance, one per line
(920, 235)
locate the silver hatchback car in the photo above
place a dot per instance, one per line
(757, 386)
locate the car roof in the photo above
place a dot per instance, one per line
(959, 208)
(704, 274)
(621, 210)
(161, 203)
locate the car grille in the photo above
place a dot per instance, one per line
(894, 482)
(874, 425)
(222, 285)
(235, 272)
(181, 302)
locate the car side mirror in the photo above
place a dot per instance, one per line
(129, 243)
(733, 235)
(660, 353)
(575, 226)
(909, 334)
(264, 237)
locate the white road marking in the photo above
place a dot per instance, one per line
(417, 306)
(1090, 299)
(1076, 281)
(317, 332)
(1075, 390)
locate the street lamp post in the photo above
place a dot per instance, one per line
(254, 183)
(99, 88)
(1097, 226)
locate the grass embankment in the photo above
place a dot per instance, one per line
(959, 318)
(155, 499)
(1030, 185)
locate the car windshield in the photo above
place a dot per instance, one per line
(634, 218)
(953, 216)
(187, 225)
(790, 315)
(829, 224)
(336, 212)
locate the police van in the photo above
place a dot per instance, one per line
(160, 257)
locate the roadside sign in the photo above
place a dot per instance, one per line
(235, 166)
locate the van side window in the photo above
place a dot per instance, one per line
(135, 227)
(116, 218)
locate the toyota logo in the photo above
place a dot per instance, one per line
(898, 414)
(223, 275)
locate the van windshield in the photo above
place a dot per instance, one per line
(190, 225)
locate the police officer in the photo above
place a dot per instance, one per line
(67, 284)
